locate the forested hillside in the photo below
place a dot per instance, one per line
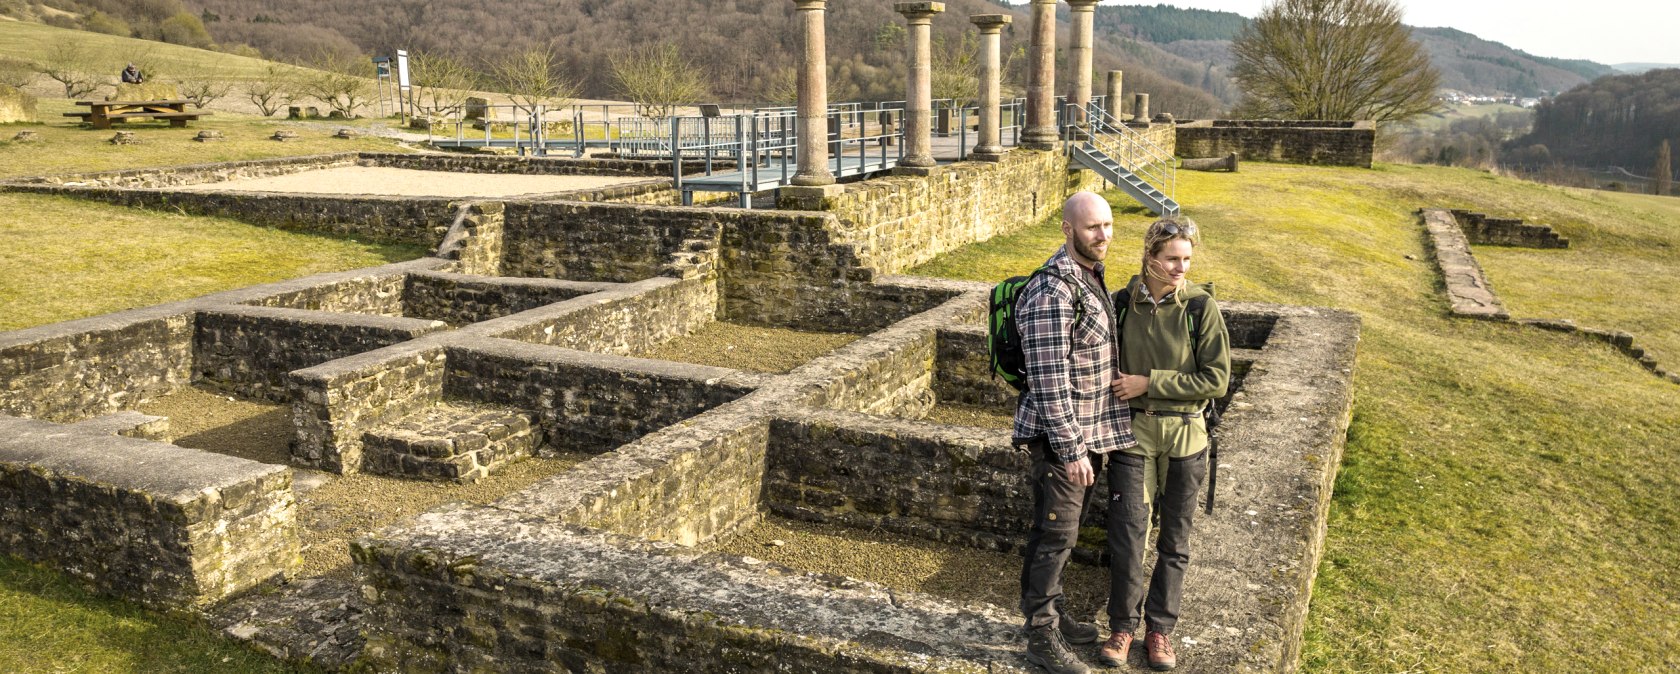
(1471, 64)
(1614, 121)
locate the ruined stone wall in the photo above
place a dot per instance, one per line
(962, 370)
(458, 299)
(1481, 229)
(375, 295)
(79, 369)
(334, 403)
(604, 242)
(620, 320)
(250, 350)
(170, 527)
(415, 220)
(198, 174)
(898, 222)
(548, 166)
(586, 401)
(1293, 142)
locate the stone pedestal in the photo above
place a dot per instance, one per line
(1111, 101)
(990, 145)
(808, 197)
(1079, 59)
(813, 97)
(1041, 79)
(1141, 110)
(918, 94)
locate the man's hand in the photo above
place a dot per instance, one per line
(1128, 386)
(1079, 472)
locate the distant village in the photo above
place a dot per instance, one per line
(1455, 96)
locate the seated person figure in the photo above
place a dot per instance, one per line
(132, 75)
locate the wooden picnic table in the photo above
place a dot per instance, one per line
(101, 114)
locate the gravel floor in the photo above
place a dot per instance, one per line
(337, 508)
(905, 563)
(749, 347)
(957, 414)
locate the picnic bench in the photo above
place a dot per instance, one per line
(101, 114)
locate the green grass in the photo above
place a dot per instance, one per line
(1508, 499)
(1453, 113)
(51, 273)
(32, 41)
(52, 623)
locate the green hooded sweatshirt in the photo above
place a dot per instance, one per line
(1155, 341)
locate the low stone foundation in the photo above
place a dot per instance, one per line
(1483, 230)
(1329, 143)
(171, 528)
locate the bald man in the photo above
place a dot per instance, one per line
(1066, 418)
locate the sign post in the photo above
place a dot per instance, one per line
(403, 95)
(382, 79)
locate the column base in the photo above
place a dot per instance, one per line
(813, 179)
(920, 171)
(987, 154)
(808, 197)
(1041, 138)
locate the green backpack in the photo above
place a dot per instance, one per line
(1003, 335)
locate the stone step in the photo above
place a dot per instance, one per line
(450, 441)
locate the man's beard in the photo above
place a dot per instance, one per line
(1087, 253)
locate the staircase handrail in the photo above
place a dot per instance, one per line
(1134, 150)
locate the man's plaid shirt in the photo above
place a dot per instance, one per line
(1069, 367)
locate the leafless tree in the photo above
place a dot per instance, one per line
(530, 77)
(276, 89)
(1662, 173)
(201, 85)
(1332, 60)
(72, 63)
(657, 78)
(443, 82)
(956, 69)
(343, 83)
(16, 73)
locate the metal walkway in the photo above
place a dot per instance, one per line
(1128, 160)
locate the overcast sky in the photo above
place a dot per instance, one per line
(1607, 31)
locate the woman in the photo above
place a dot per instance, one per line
(1175, 358)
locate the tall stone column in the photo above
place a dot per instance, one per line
(918, 93)
(1041, 79)
(1111, 98)
(990, 146)
(1079, 59)
(813, 98)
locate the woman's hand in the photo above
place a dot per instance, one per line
(1128, 386)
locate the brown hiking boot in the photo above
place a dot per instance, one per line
(1046, 649)
(1159, 647)
(1076, 632)
(1114, 651)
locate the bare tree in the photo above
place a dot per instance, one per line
(342, 83)
(530, 78)
(657, 79)
(72, 63)
(956, 69)
(16, 73)
(201, 85)
(443, 82)
(276, 89)
(1662, 173)
(1332, 60)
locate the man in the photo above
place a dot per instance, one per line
(1066, 418)
(1175, 356)
(131, 75)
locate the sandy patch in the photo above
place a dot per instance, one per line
(412, 183)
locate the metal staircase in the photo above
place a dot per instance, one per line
(1127, 159)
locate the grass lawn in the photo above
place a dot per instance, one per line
(1508, 500)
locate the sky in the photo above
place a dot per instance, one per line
(1606, 31)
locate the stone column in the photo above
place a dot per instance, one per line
(813, 98)
(1112, 104)
(990, 145)
(1041, 131)
(1141, 112)
(918, 91)
(1079, 58)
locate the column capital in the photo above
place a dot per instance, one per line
(919, 11)
(809, 4)
(1083, 5)
(1045, 2)
(990, 23)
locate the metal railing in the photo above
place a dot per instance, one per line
(1134, 150)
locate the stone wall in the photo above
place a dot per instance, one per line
(197, 174)
(79, 369)
(376, 295)
(251, 350)
(549, 166)
(962, 370)
(169, 527)
(619, 320)
(607, 242)
(335, 403)
(1294, 142)
(588, 401)
(1481, 229)
(458, 299)
(898, 222)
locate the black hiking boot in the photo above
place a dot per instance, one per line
(1047, 649)
(1076, 632)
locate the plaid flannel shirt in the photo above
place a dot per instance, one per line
(1069, 367)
